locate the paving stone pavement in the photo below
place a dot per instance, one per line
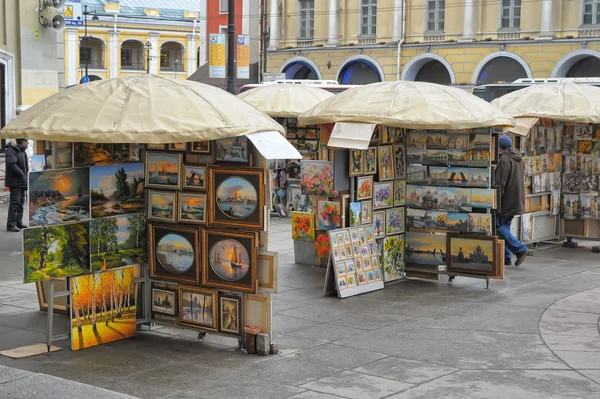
(533, 335)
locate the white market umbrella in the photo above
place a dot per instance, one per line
(284, 100)
(414, 105)
(565, 102)
(139, 109)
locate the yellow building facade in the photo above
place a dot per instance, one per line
(460, 43)
(126, 39)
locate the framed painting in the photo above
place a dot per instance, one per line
(329, 215)
(198, 308)
(174, 253)
(385, 161)
(233, 150)
(399, 192)
(164, 301)
(393, 257)
(303, 226)
(194, 177)
(59, 196)
(229, 260)
(177, 146)
(237, 198)
(355, 213)
(201, 147)
(100, 327)
(316, 177)
(118, 241)
(163, 170)
(89, 154)
(399, 161)
(379, 224)
(366, 213)
(55, 251)
(356, 162)
(383, 195)
(370, 161)
(472, 253)
(268, 270)
(157, 147)
(230, 314)
(322, 245)
(60, 303)
(117, 189)
(394, 221)
(162, 206)
(364, 187)
(192, 208)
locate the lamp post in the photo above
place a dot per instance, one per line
(86, 78)
(230, 46)
(148, 47)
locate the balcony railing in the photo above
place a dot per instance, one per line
(365, 41)
(434, 38)
(305, 43)
(585, 33)
(509, 35)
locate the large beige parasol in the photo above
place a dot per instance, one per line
(284, 100)
(139, 109)
(416, 105)
(566, 102)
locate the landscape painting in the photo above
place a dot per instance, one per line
(174, 253)
(198, 307)
(164, 301)
(116, 242)
(230, 312)
(233, 150)
(194, 177)
(103, 308)
(162, 205)
(458, 221)
(425, 249)
(55, 251)
(476, 255)
(163, 170)
(58, 196)
(117, 189)
(192, 208)
(89, 154)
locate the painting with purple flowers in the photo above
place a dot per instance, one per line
(382, 195)
(394, 221)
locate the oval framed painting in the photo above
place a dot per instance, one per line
(174, 253)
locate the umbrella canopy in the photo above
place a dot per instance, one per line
(565, 102)
(522, 126)
(285, 100)
(416, 105)
(139, 109)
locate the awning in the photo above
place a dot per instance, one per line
(272, 145)
(522, 126)
(351, 135)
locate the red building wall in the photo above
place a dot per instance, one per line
(215, 19)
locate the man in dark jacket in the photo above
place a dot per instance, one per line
(17, 167)
(510, 176)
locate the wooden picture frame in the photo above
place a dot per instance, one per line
(232, 150)
(194, 177)
(158, 147)
(153, 170)
(235, 324)
(159, 208)
(161, 307)
(195, 205)
(201, 147)
(370, 161)
(229, 260)
(257, 311)
(177, 147)
(60, 304)
(364, 187)
(212, 324)
(385, 162)
(237, 198)
(356, 163)
(268, 271)
(475, 256)
(181, 240)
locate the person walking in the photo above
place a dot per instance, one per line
(17, 167)
(510, 176)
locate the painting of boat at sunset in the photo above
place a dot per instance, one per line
(117, 189)
(230, 260)
(425, 249)
(102, 308)
(163, 170)
(192, 208)
(58, 196)
(237, 197)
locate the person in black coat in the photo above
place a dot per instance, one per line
(17, 167)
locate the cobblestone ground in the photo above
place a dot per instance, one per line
(533, 335)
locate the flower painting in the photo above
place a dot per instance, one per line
(364, 187)
(322, 246)
(394, 221)
(393, 257)
(329, 215)
(356, 162)
(303, 227)
(355, 213)
(379, 224)
(399, 192)
(366, 212)
(382, 195)
(370, 160)
(386, 162)
(316, 177)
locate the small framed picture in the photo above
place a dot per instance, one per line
(192, 208)
(198, 307)
(162, 206)
(164, 301)
(163, 170)
(230, 314)
(233, 150)
(194, 177)
(159, 147)
(366, 212)
(178, 146)
(356, 162)
(201, 147)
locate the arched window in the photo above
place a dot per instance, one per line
(133, 55)
(501, 69)
(91, 53)
(588, 67)
(359, 72)
(300, 70)
(171, 57)
(434, 72)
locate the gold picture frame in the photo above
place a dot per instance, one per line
(158, 271)
(181, 317)
(194, 213)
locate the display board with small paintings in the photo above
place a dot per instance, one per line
(354, 261)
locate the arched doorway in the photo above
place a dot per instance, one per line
(300, 70)
(360, 71)
(171, 57)
(91, 53)
(132, 55)
(434, 72)
(500, 69)
(430, 68)
(588, 67)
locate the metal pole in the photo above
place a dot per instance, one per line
(149, 45)
(50, 315)
(85, 14)
(231, 46)
(266, 33)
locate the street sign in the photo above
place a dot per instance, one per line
(73, 13)
(216, 55)
(271, 77)
(243, 57)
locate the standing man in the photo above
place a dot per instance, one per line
(17, 167)
(510, 176)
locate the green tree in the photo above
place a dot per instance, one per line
(74, 245)
(122, 192)
(40, 241)
(103, 235)
(137, 231)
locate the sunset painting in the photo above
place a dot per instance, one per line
(192, 208)
(237, 197)
(162, 205)
(426, 249)
(58, 196)
(229, 260)
(163, 170)
(469, 254)
(102, 308)
(117, 189)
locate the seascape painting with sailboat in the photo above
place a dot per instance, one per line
(163, 170)
(237, 198)
(229, 260)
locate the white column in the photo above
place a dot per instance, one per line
(191, 45)
(398, 17)
(245, 17)
(203, 32)
(469, 22)
(334, 23)
(72, 44)
(113, 48)
(274, 26)
(547, 29)
(154, 53)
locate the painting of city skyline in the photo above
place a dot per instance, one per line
(174, 253)
(472, 254)
(163, 170)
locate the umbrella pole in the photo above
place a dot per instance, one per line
(230, 46)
